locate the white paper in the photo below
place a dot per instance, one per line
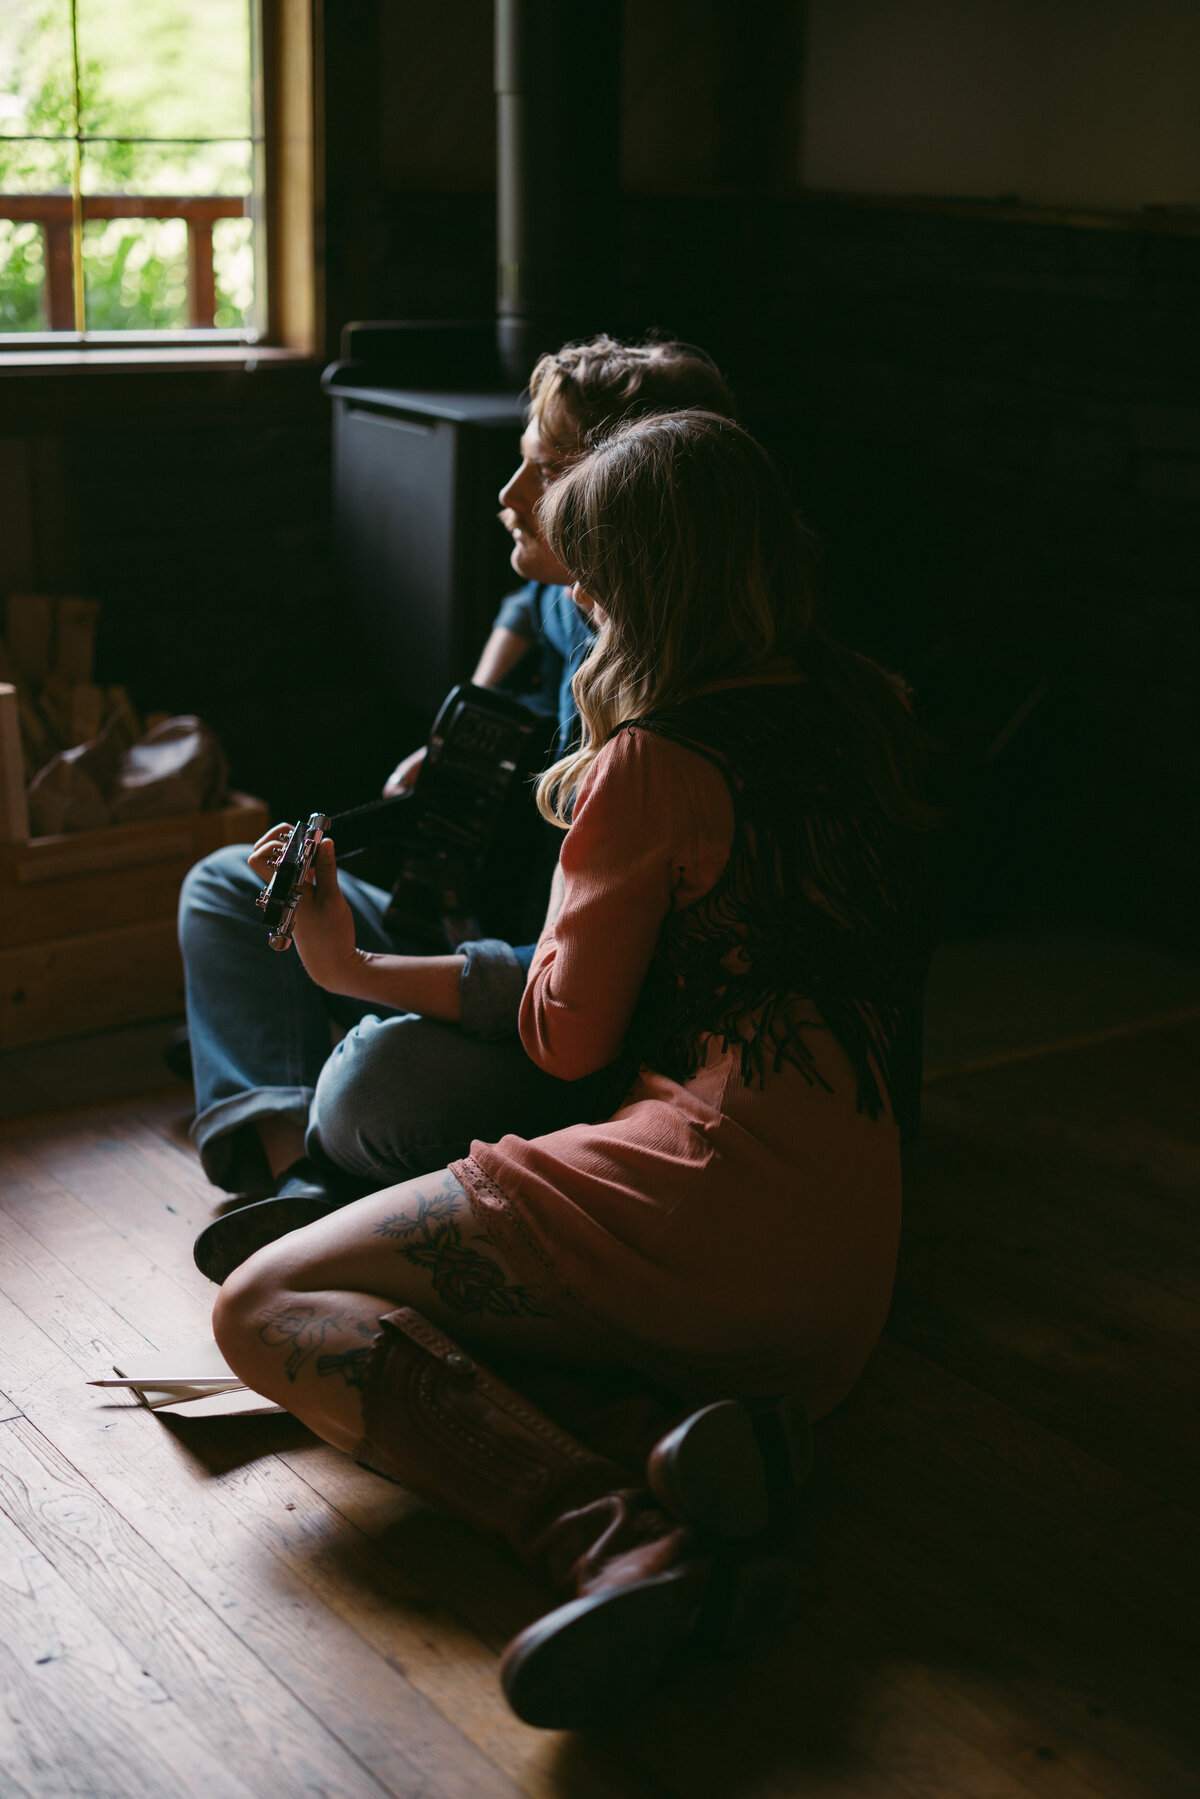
(199, 1362)
(193, 1380)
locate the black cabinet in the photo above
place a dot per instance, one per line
(417, 470)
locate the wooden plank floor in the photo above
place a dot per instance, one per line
(1001, 1554)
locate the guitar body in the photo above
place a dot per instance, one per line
(474, 857)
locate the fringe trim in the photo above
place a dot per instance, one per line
(823, 899)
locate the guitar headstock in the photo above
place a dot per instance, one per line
(293, 861)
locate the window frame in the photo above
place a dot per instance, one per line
(287, 44)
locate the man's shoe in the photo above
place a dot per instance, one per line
(305, 1194)
(178, 1053)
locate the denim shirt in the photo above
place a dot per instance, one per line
(548, 617)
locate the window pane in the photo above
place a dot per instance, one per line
(29, 172)
(36, 87)
(138, 273)
(28, 166)
(135, 275)
(22, 277)
(165, 68)
(125, 168)
(233, 266)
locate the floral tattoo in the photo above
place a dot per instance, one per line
(463, 1277)
(302, 1330)
(351, 1364)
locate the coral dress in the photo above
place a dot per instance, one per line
(722, 1237)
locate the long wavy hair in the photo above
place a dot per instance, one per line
(681, 528)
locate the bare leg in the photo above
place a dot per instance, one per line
(297, 1320)
(283, 1142)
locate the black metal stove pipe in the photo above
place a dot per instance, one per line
(557, 173)
(513, 176)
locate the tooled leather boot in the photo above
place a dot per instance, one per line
(643, 1584)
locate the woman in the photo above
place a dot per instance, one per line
(738, 934)
(432, 1060)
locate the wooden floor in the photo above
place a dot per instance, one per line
(1000, 1554)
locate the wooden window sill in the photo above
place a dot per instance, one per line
(176, 358)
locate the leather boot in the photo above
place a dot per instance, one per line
(643, 1585)
(735, 1468)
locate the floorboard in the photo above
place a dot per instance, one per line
(1000, 1562)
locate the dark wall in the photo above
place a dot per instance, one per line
(997, 427)
(992, 423)
(195, 507)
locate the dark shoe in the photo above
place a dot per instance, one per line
(734, 1469)
(603, 1653)
(178, 1053)
(305, 1194)
(643, 1587)
(728, 1471)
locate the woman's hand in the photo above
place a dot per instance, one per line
(323, 929)
(323, 932)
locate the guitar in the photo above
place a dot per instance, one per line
(482, 749)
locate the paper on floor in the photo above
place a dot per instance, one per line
(192, 1379)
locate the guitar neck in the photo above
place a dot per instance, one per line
(379, 821)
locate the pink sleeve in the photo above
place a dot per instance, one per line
(652, 828)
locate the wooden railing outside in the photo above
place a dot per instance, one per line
(55, 214)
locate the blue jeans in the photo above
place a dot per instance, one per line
(398, 1096)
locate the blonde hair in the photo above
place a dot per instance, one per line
(680, 527)
(578, 392)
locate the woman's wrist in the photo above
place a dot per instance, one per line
(428, 985)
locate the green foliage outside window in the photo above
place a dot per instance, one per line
(173, 71)
(22, 274)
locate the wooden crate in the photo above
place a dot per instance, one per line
(87, 920)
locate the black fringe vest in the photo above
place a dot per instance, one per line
(823, 898)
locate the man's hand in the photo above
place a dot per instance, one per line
(268, 849)
(404, 775)
(323, 930)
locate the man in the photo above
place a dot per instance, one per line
(403, 1092)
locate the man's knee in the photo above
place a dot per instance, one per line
(372, 1098)
(218, 883)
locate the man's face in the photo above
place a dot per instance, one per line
(541, 464)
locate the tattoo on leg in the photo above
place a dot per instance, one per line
(303, 1329)
(432, 1208)
(351, 1364)
(464, 1278)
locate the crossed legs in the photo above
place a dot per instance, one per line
(346, 1323)
(297, 1320)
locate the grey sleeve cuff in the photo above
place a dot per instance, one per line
(493, 981)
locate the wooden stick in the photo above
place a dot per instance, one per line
(14, 812)
(31, 633)
(75, 638)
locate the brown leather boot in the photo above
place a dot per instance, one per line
(735, 1468)
(644, 1585)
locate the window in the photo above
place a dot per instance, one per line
(131, 157)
